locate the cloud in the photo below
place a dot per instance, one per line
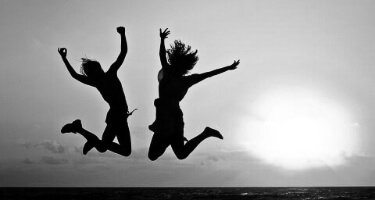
(86, 160)
(27, 162)
(52, 146)
(53, 161)
(361, 157)
(49, 145)
(26, 143)
(95, 153)
(226, 159)
(213, 158)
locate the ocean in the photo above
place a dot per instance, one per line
(250, 193)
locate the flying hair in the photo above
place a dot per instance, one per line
(89, 66)
(181, 57)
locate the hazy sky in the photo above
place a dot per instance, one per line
(298, 111)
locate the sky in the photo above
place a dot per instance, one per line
(298, 111)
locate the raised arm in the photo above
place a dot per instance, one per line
(162, 51)
(195, 78)
(124, 49)
(73, 73)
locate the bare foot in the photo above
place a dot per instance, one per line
(73, 127)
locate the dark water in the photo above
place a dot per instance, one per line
(292, 193)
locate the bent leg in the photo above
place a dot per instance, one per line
(109, 134)
(182, 150)
(92, 139)
(123, 137)
(157, 147)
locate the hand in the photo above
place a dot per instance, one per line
(234, 65)
(121, 29)
(62, 52)
(165, 33)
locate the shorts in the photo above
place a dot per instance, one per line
(116, 116)
(169, 120)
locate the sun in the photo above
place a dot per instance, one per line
(299, 129)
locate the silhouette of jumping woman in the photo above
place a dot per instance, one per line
(168, 126)
(112, 92)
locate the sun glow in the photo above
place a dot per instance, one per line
(299, 129)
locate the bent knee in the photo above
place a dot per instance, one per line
(102, 149)
(181, 156)
(153, 156)
(126, 152)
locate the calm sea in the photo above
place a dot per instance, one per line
(305, 193)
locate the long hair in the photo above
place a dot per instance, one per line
(90, 67)
(181, 57)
